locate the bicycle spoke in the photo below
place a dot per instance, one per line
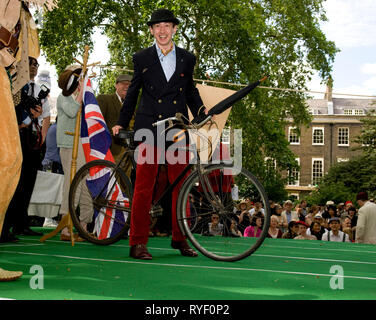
(100, 195)
(216, 234)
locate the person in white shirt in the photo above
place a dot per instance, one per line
(303, 232)
(335, 234)
(288, 215)
(41, 112)
(215, 228)
(366, 224)
(317, 219)
(256, 209)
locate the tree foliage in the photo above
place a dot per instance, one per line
(234, 41)
(345, 179)
(367, 137)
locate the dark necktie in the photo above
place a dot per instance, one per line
(32, 89)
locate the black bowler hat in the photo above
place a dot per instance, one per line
(162, 15)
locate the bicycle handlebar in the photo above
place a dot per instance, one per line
(155, 124)
(198, 122)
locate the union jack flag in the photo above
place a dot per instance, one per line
(96, 142)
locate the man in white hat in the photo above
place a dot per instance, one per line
(288, 215)
(320, 220)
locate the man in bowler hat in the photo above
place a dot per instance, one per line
(164, 72)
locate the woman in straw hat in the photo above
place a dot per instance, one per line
(68, 104)
(243, 215)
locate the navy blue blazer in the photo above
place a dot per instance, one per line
(160, 98)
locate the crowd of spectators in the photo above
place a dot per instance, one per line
(288, 220)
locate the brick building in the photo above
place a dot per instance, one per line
(329, 139)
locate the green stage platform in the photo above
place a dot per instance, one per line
(279, 270)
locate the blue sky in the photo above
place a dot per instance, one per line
(351, 25)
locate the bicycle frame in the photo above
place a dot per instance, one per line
(208, 191)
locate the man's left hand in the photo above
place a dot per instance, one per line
(213, 116)
(36, 112)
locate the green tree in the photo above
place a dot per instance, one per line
(367, 137)
(345, 179)
(234, 41)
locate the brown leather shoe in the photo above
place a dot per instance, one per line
(139, 251)
(77, 238)
(184, 248)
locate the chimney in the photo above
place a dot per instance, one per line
(329, 90)
(328, 95)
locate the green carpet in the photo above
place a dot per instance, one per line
(280, 269)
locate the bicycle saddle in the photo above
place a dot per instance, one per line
(127, 136)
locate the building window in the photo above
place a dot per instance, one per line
(317, 170)
(270, 164)
(294, 175)
(317, 136)
(294, 195)
(343, 136)
(353, 112)
(293, 136)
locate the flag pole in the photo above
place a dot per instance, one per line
(66, 221)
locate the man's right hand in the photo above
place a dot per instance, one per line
(115, 129)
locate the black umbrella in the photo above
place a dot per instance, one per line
(229, 101)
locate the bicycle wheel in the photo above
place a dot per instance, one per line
(209, 196)
(101, 196)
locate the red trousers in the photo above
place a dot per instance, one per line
(146, 176)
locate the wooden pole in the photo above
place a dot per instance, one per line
(66, 221)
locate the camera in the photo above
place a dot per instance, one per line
(29, 102)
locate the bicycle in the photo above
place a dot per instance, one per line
(205, 192)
